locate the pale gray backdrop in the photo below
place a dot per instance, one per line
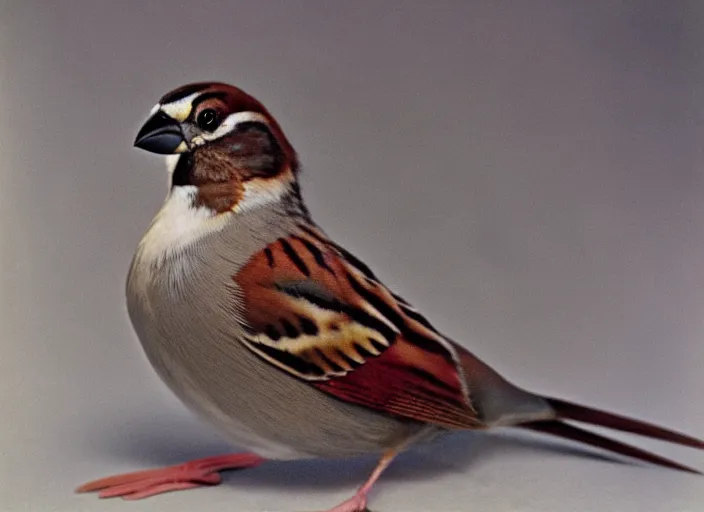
(530, 174)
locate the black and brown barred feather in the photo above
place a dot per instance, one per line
(319, 313)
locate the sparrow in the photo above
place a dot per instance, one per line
(283, 340)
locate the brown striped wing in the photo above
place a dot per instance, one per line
(315, 311)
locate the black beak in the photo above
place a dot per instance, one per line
(160, 134)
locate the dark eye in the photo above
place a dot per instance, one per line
(208, 120)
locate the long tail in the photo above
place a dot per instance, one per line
(501, 403)
(569, 411)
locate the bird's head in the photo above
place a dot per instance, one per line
(228, 149)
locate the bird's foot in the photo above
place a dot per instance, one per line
(195, 473)
(357, 503)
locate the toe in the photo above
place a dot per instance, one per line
(160, 489)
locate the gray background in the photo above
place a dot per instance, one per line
(528, 173)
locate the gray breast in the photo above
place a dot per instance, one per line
(186, 313)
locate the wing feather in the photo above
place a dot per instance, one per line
(319, 313)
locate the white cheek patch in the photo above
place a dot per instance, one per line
(261, 192)
(171, 162)
(180, 109)
(228, 125)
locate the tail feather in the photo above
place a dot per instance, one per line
(567, 410)
(500, 403)
(565, 431)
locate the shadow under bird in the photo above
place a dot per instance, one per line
(282, 339)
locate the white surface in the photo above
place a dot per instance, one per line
(530, 177)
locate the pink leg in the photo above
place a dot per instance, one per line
(358, 502)
(142, 484)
